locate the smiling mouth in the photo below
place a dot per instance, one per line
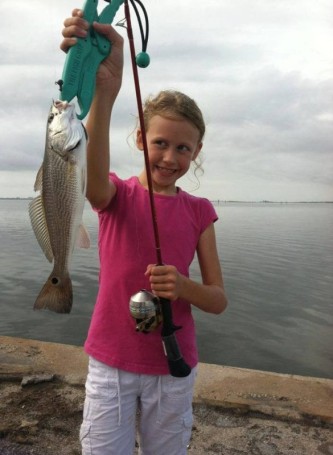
(166, 170)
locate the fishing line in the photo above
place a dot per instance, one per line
(144, 36)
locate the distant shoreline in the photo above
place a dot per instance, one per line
(214, 201)
(220, 201)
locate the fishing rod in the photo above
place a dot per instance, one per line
(177, 365)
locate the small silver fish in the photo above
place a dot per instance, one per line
(56, 214)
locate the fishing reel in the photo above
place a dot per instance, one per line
(145, 308)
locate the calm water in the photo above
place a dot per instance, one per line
(278, 270)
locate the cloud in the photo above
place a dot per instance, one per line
(260, 71)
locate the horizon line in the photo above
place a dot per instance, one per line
(223, 201)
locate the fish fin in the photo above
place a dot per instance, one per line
(38, 222)
(83, 238)
(39, 180)
(56, 294)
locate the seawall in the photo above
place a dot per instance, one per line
(225, 391)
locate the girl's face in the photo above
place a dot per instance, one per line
(172, 145)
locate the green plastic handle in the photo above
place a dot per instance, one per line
(83, 59)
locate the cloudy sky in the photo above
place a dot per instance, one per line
(261, 71)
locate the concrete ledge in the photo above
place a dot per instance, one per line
(278, 395)
(285, 396)
(21, 357)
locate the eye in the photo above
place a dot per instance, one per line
(160, 143)
(183, 148)
(75, 146)
(51, 117)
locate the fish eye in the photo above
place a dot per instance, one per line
(75, 146)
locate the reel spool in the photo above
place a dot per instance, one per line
(145, 308)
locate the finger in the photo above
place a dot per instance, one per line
(77, 12)
(67, 43)
(162, 287)
(75, 22)
(158, 270)
(148, 270)
(158, 283)
(75, 30)
(165, 281)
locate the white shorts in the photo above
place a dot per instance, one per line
(112, 399)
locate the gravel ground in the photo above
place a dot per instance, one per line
(44, 419)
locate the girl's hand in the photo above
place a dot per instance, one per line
(165, 281)
(109, 74)
(75, 27)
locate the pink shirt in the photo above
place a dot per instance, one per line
(126, 247)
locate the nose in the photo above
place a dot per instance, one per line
(169, 155)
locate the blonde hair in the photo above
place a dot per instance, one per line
(176, 105)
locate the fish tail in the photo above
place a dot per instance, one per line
(56, 294)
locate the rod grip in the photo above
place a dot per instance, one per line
(177, 365)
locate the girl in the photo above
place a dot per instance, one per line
(128, 369)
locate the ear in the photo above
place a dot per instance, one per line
(139, 142)
(197, 151)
